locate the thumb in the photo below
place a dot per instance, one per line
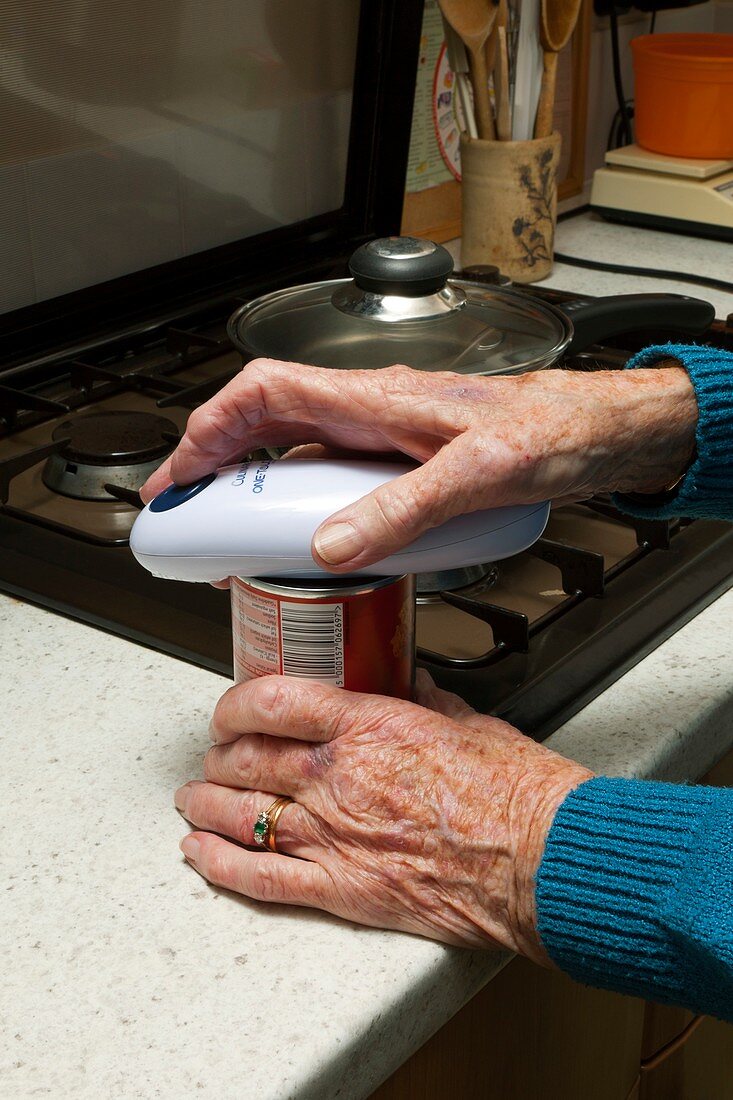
(396, 513)
(429, 695)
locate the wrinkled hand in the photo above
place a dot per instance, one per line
(404, 818)
(484, 442)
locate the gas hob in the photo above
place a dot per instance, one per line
(531, 639)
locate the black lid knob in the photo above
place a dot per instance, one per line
(401, 265)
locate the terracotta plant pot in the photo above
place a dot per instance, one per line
(510, 205)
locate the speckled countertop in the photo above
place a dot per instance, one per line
(126, 976)
(589, 237)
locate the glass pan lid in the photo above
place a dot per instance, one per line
(492, 331)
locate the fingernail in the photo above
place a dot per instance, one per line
(190, 848)
(212, 731)
(338, 542)
(181, 797)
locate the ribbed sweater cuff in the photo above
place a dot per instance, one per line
(614, 893)
(707, 489)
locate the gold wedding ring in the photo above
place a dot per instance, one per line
(263, 830)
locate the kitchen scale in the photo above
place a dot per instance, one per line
(683, 195)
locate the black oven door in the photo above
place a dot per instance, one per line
(159, 156)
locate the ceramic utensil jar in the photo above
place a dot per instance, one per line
(510, 205)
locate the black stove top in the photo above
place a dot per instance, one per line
(531, 641)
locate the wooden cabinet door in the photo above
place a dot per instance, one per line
(700, 1068)
(530, 1034)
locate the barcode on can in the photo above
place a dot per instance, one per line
(312, 640)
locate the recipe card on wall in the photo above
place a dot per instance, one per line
(433, 193)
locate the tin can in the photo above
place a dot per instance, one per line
(356, 635)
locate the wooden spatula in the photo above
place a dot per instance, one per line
(473, 20)
(557, 23)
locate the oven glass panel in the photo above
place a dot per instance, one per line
(135, 133)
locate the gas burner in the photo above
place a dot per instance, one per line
(119, 448)
(468, 581)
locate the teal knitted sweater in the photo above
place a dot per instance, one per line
(635, 887)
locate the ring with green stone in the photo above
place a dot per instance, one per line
(263, 830)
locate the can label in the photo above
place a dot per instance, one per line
(360, 640)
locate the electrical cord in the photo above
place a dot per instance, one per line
(615, 135)
(621, 131)
(626, 128)
(647, 272)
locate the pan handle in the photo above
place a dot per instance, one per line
(597, 320)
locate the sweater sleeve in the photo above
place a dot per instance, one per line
(635, 891)
(707, 488)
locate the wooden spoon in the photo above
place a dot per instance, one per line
(473, 20)
(497, 62)
(557, 23)
(501, 88)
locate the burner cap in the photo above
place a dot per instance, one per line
(107, 448)
(116, 438)
(467, 580)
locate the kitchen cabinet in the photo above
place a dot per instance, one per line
(532, 1033)
(700, 1068)
(529, 1033)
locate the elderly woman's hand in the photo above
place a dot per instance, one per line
(484, 442)
(403, 818)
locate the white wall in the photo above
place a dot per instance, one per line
(601, 94)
